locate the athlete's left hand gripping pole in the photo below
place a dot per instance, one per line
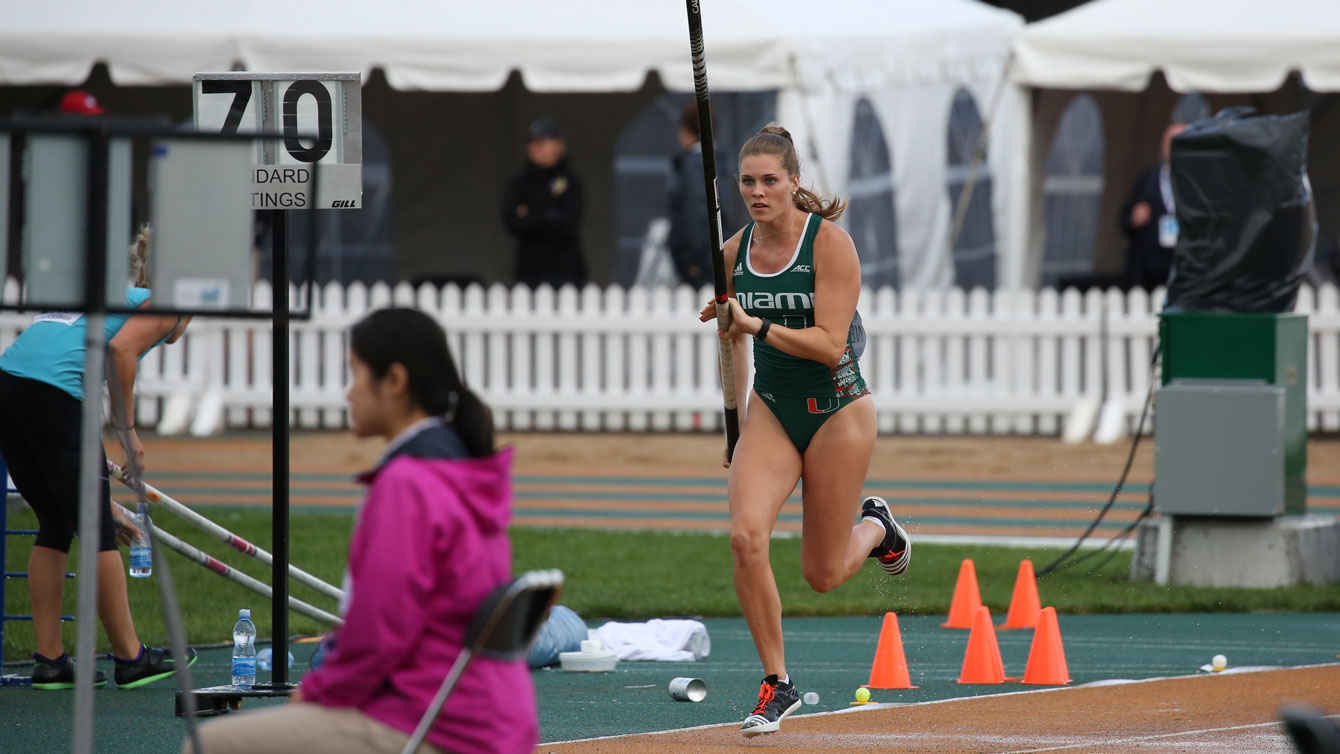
(727, 359)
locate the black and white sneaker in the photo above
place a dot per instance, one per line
(776, 700)
(50, 675)
(895, 552)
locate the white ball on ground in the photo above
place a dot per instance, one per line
(1219, 662)
(810, 698)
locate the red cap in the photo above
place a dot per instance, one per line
(80, 102)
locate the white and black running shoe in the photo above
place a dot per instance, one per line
(895, 551)
(776, 700)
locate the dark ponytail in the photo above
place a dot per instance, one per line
(414, 340)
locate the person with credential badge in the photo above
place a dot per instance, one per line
(1149, 221)
(794, 279)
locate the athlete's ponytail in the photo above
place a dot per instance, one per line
(139, 258)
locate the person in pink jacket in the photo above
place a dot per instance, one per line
(430, 542)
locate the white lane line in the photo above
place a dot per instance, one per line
(950, 700)
(1154, 737)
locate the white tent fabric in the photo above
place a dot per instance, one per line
(1200, 45)
(573, 46)
(1233, 52)
(907, 57)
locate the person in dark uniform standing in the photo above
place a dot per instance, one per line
(542, 207)
(794, 281)
(1149, 221)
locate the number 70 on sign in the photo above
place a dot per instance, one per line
(313, 122)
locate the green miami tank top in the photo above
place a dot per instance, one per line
(786, 298)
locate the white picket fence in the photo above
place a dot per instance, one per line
(1008, 362)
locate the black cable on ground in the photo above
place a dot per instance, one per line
(1122, 535)
(1060, 563)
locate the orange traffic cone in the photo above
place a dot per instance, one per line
(890, 668)
(1046, 658)
(982, 663)
(966, 598)
(1024, 605)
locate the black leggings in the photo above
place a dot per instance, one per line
(39, 438)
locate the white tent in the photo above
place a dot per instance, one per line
(1279, 56)
(905, 57)
(1199, 45)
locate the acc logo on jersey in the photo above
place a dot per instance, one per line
(802, 268)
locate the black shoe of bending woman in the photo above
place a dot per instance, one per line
(50, 675)
(153, 664)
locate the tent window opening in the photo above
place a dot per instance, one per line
(1073, 192)
(643, 175)
(975, 248)
(870, 212)
(1190, 108)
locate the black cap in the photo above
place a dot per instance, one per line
(544, 128)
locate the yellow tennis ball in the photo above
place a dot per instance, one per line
(863, 694)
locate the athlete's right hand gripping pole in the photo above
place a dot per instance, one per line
(726, 360)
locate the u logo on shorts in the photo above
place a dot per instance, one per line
(830, 405)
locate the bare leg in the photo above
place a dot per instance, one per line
(46, 585)
(836, 464)
(114, 605)
(763, 473)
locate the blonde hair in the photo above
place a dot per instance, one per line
(776, 141)
(139, 258)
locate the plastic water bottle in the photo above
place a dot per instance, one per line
(141, 554)
(244, 650)
(265, 659)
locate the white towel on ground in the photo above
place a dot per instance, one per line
(664, 640)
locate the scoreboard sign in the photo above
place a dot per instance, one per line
(309, 121)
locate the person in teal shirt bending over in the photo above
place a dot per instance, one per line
(41, 397)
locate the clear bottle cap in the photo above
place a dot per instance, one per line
(244, 613)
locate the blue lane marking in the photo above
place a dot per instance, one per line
(341, 493)
(898, 484)
(1322, 490)
(655, 497)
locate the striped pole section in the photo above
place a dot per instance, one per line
(190, 552)
(154, 495)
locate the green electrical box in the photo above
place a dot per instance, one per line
(1261, 349)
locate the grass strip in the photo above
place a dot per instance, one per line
(635, 575)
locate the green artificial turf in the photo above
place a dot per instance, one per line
(636, 575)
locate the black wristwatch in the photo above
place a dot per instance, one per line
(762, 333)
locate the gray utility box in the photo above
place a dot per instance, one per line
(1220, 449)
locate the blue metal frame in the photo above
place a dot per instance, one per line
(13, 679)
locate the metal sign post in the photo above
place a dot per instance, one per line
(310, 157)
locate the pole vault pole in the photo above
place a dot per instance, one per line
(726, 358)
(154, 495)
(191, 552)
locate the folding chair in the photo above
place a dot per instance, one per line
(502, 628)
